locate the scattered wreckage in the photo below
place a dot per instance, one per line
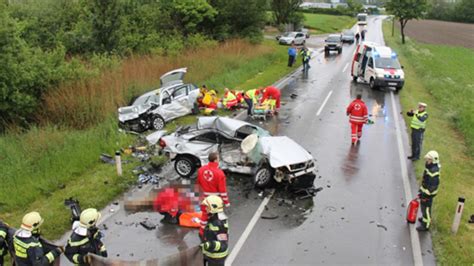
(243, 148)
(153, 109)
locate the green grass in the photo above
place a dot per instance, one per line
(322, 23)
(42, 167)
(442, 77)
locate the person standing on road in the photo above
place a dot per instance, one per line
(85, 239)
(212, 181)
(251, 98)
(215, 246)
(358, 116)
(428, 188)
(27, 246)
(291, 55)
(357, 36)
(305, 56)
(362, 35)
(418, 125)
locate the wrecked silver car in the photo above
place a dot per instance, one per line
(153, 109)
(243, 148)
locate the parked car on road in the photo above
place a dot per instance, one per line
(297, 38)
(333, 43)
(153, 109)
(243, 148)
(378, 65)
(348, 36)
(305, 31)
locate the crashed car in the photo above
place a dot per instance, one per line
(153, 109)
(243, 148)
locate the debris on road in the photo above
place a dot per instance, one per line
(147, 225)
(382, 226)
(149, 178)
(293, 96)
(269, 216)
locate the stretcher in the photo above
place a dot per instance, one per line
(264, 110)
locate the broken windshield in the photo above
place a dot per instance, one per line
(147, 99)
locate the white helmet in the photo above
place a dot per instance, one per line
(89, 217)
(31, 221)
(432, 155)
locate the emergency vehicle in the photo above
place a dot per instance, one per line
(377, 65)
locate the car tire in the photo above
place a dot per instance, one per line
(264, 176)
(185, 166)
(399, 88)
(339, 51)
(157, 122)
(372, 84)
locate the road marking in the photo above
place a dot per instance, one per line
(235, 251)
(345, 68)
(324, 103)
(415, 239)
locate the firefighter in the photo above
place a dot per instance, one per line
(428, 188)
(273, 93)
(27, 246)
(215, 240)
(212, 181)
(358, 116)
(85, 239)
(229, 101)
(418, 125)
(3, 241)
(251, 98)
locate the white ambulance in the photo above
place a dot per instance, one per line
(377, 65)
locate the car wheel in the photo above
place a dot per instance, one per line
(185, 166)
(157, 122)
(372, 84)
(399, 88)
(339, 50)
(264, 176)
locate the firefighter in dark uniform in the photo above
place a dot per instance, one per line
(3, 241)
(85, 239)
(418, 125)
(215, 239)
(27, 246)
(428, 189)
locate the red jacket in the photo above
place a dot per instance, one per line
(270, 91)
(212, 181)
(357, 111)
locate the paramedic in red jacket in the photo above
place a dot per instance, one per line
(273, 93)
(358, 115)
(212, 181)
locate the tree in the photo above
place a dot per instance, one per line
(285, 10)
(105, 18)
(406, 10)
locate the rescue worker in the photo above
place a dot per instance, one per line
(3, 241)
(229, 101)
(428, 188)
(418, 125)
(202, 92)
(305, 56)
(357, 36)
(251, 98)
(27, 246)
(215, 240)
(212, 181)
(358, 116)
(85, 239)
(271, 92)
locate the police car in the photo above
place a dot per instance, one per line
(377, 65)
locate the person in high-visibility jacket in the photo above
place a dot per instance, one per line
(251, 98)
(358, 116)
(229, 100)
(3, 241)
(27, 245)
(85, 239)
(428, 188)
(418, 126)
(212, 181)
(271, 92)
(215, 241)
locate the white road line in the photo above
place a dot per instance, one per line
(345, 68)
(235, 251)
(415, 239)
(324, 103)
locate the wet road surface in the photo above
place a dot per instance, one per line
(359, 216)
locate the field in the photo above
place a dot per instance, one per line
(42, 167)
(442, 77)
(321, 23)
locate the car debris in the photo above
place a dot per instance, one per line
(147, 225)
(382, 226)
(149, 178)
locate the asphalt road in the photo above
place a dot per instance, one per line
(359, 216)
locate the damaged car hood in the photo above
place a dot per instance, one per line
(283, 151)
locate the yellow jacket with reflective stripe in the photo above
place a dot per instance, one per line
(215, 245)
(419, 120)
(430, 182)
(29, 251)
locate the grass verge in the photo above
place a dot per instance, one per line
(442, 77)
(322, 23)
(42, 167)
